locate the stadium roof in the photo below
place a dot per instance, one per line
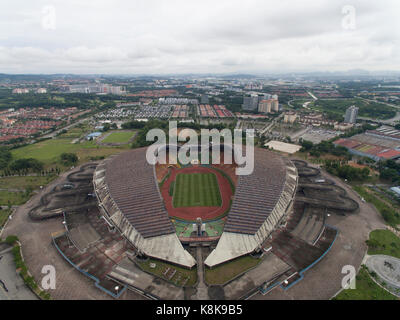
(261, 200)
(128, 194)
(129, 197)
(257, 194)
(132, 185)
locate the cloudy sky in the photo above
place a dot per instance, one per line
(187, 36)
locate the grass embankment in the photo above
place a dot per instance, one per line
(391, 216)
(228, 271)
(4, 214)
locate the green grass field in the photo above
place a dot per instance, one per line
(119, 137)
(196, 190)
(10, 198)
(49, 151)
(25, 182)
(384, 242)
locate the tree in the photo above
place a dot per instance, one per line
(25, 165)
(69, 158)
(106, 127)
(389, 174)
(306, 145)
(5, 157)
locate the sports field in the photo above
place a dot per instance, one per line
(119, 137)
(196, 190)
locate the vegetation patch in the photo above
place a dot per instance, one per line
(383, 242)
(171, 188)
(229, 270)
(4, 214)
(370, 109)
(23, 270)
(178, 276)
(119, 137)
(14, 198)
(388, 213)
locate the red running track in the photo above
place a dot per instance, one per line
(192, 213)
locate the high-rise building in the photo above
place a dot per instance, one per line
(264, 102)
(351, 115)
(265, 106)
(204, 99)
(275, 105)
(250, 103)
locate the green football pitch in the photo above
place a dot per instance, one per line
(196, 190)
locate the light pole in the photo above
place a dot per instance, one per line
(116, 289)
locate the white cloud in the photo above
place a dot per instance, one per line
(178, 36)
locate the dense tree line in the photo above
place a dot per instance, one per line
(389, 170)
(26, 165)
(69, 158)
(324, 147)
(344, 171)
(10, 166)
(5, 157)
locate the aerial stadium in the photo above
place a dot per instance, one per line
(194, 231)
(142, 212)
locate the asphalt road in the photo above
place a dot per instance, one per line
(12, 286)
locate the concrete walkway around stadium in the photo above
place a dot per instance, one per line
(324, 280)
(202, 289)
(38, 251)
(12, 286)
